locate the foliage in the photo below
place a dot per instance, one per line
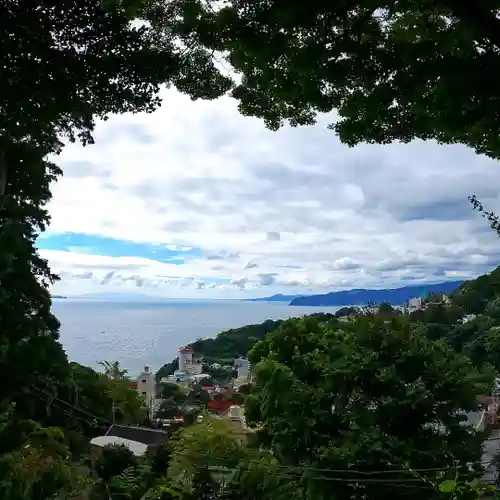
(173, 392)
(473, 296)
(39, 468)
(29, 349)
(372, 395)
(210, 443)
(231, 344)
(133, 483)
(245, 389)
(113, 370)
(113, 461)
(167, 369)
(392, 70)
(174, 398)
(199, 396)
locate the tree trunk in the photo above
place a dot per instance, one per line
(3, 175)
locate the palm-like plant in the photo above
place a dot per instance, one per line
(113, 370)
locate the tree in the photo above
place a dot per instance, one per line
(210, 443)
(174, 393)
(40, 468)
(30, 353)
(113, 370)
(198, 395)
(65, 64)
(392, 70)
(84, 59)
(373, 395)
(113, 461)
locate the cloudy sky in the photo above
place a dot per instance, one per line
(198, 201)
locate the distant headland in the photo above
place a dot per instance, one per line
(363, 297)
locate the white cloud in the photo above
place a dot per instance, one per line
(292, 208)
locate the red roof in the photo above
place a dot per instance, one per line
(185, 350)
(132, 384)
(220, 406)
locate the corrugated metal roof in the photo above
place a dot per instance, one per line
(140, 434)
(138, 449)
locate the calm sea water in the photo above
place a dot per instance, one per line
(143, 332)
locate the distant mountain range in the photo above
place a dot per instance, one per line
(132, 296)
(361, 297)
(275, 298)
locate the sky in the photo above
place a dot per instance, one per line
(198, 201)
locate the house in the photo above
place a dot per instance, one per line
(139, 440)
(219, 406)
(415, 304)
(235, 414)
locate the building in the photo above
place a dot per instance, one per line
(235, 414)
(415, 304)
(242, 366)
(146, 387)
(189, 363)
(139, 440)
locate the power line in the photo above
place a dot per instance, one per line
(352, 481)
(364, 474)
(63, 410)
(48, 394)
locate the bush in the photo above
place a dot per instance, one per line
(114, 460)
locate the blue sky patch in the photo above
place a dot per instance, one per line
(100, 245)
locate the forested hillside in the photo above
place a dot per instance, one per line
(231, 344)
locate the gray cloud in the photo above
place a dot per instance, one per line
(344, 217)
(223, 256)
(273, 236)
(84, 276)
(83, 168)
(240, 283)
(107, 278)
(267, 279)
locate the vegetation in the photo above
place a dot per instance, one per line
(373, 395)
(393, 384)
(391, 70)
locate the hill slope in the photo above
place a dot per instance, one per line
(361, 297)
(275, 298)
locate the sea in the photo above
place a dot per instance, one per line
(140, 333)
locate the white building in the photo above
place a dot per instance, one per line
(415, 304)
(242, 366)
(189, 363)
(146, 387)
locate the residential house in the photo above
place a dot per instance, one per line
(235, 414)
(139, 440)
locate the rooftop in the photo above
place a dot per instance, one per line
(143, 435)
(138, 449)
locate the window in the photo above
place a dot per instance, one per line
(143, 380)
(144, 394)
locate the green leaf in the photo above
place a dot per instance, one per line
(448, 486)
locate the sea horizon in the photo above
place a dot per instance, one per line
(149, 332)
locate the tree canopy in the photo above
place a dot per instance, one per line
(372, 395)
(391, 70)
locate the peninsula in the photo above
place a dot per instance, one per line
(361, 297)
